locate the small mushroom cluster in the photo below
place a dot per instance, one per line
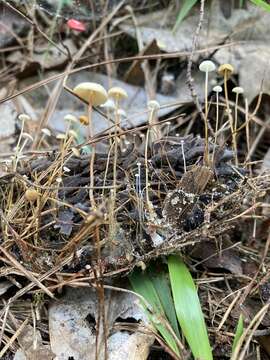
(225, 70)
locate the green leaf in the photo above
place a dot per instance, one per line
(143, 285)
(188, 309)
(239, 332)
(185, 9)
(161, 283)
(262, 4)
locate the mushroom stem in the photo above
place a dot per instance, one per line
(206, 158)
(153, 106)
(183, 154)
(217, 123)
(92, 156)
(235, 127)
(247, 134)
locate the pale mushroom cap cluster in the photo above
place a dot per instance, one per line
(93, 93)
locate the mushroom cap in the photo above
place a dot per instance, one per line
(228, 68)
(207, 66)
(117, 93)
(217, 89)
(153, 105)
(46, 132)
(24, 117)
(70, 118)
(27, 136)
(31, 195)
(238, 90)
(84, 120)
(61, 136)
(73, 134)
(91, 92)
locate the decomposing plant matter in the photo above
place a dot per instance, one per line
(190, 202)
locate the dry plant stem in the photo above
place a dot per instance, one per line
(107, 168)
(190, 80)
(26, 272)
(148, 134)
(63, 78)
(101, 295)
(248, 333)
(13, 338)
(173, 55)
(115, 157)
(228, 311)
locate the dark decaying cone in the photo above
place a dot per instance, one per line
(190, 202)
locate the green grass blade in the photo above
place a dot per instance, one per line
(262, 4)
(239, 332)
(185, 9)
(161, 283)
(188, 309)
(142, 285)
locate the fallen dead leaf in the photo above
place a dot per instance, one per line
(72, 322)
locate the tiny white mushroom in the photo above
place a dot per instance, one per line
(46, 132)
(153, 105)
(60, 136)
(206, 66)
(27, 138)
(238, 90)
(117, 93)
(73, 133)
(91, 93)
(24, 117)
(71, 118)
(217, 89)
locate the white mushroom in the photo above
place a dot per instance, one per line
(206, 67)
(117, 93)
(92, 93)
